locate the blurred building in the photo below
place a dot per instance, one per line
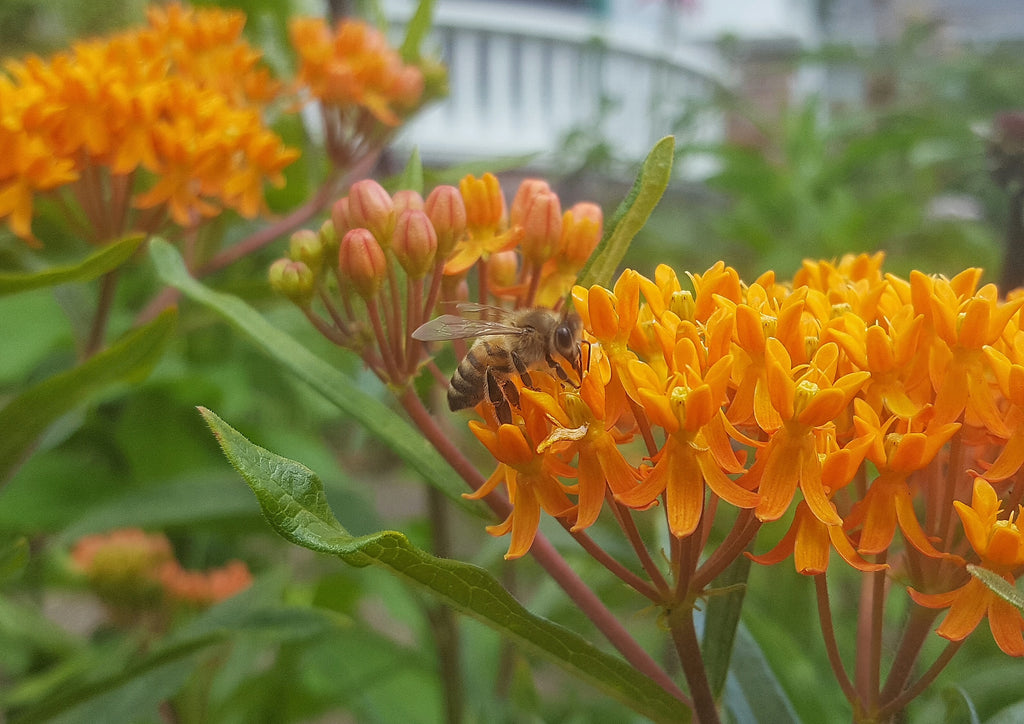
(524, 75)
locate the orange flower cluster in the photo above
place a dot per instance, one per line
(166, 118)
(353, 66)
(131, 569)
(883, 401)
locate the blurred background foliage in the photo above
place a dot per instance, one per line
(316, 641)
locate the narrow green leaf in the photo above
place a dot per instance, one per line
(632, 214)
(725, 604)
(379, 420)
(419, 25)
(100, 262)
(998, 585)
(29, 414)
(753, 694)
(13, 558)
(292, 498)
(411, 176)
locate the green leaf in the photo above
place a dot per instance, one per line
(379, 420)
(998, 585)
(109, 257)
(752, 692)
(293, 501)
(29, 414)
(13, 558)
(631, 215)
(416, 31)
(725, 604)
(412, 175)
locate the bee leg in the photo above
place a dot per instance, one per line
(524, 373)
(495, 395)
(561, 372)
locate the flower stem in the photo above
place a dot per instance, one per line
(98, 330)
(828, 634)
(869, 636)
(684, 634)
(442, 619)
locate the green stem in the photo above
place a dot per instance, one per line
(442, 619)
(98, 330)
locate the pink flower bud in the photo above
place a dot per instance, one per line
(502, 269)
(542, 227)
(341, 217)
(447, 212)
(415, 242)
(371, 207)
(361, 261)
(527, 190)
(407, 199)
(293, 279)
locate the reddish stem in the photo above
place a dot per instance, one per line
(828, 634)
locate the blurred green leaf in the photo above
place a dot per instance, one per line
(753, 693)
(419, 25)
(13, 558)
(293, 501)
(959, 706)
(725, 604)
(166, 505)
(998, 585)
(378, 419)
(411, 176)
(29, 414)
(100, 262)
(632, 214)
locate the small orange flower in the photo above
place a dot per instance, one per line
(531, 479)
(999, 544)
(790, 457)
(485, 222)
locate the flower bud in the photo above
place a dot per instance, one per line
(542, 227)
(502, 269)
(406, 199)
(371, 207)
(305, 246)
(415, 242)
(341, 217)
(527, 190)
(293, 279)
(485, 204)
(361, 260)
(581, 232)
(447, 212)
(407, 87)
(329, 238)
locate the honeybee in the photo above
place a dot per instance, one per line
(513, 342)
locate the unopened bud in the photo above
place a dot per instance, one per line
(406, 199)
(361, 260)
(447, 212)
(581, 232)
(502, 269)
(293, 279)
(407, 87)
(527, 190)
(341, 217)
(371, 207)
(542, 227)
(305, 246)
(329, 238)
(415, 243)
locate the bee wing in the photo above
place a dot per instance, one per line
(489, 311)
(448, 326)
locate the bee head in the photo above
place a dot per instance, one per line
(565, 338)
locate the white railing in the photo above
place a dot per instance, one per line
(521, 80)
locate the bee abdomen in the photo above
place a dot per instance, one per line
(466, 388)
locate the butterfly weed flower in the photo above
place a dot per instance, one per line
(999, 544)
